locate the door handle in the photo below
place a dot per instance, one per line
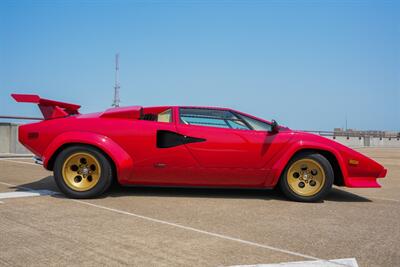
(189, 139)
(159, 165)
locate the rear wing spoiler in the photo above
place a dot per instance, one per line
(50, 109)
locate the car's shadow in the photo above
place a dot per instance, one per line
(337, 195)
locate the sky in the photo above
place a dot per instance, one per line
(307, 64)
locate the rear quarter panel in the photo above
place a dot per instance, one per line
(103, 133)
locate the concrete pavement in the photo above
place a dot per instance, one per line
(196, 227)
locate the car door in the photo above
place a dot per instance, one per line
(231, 153)
(154, 161)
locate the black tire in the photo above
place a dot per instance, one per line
(323, 191)
(105, 177)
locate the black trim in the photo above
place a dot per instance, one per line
(236, 118)
(243, 120)
(166, 139)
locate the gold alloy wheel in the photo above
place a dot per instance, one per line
(81, 171)
(306, 177)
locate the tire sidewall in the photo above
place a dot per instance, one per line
(105, 176)
(329, 177)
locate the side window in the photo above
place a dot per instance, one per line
(165, 116)
(256, 124)
(237, 124)
(212, 118)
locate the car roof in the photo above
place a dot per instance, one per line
(200, 107)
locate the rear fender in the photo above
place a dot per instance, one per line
(280, 164)
(123, 162)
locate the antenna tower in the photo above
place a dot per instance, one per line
(116, 86)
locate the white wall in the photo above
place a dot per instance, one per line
(9, 140)
(5, 131)
(385, 142)
(362, 142)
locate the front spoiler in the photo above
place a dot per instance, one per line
(365, 181)
(382, 173)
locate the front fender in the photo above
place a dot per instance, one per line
(280, 164)
(122, 160)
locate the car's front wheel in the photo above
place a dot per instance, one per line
(82, 172)
(308, 177)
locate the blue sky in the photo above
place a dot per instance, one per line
(308, 64)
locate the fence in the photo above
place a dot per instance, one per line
(362, 139)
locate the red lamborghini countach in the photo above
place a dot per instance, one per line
(187, 146)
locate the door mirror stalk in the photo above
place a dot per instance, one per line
(274, 126)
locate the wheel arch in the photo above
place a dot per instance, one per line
(120, 160)
(302, 147)
(337, 171)
(52, 159)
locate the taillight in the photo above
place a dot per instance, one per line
(33, 135)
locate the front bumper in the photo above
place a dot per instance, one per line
(382, 173)
(366, 181)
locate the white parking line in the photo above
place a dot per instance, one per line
(16, 157)
(23, 162)
(29, 192)
(347, 262)
(19, 194)
(384, 198)
(13, 185)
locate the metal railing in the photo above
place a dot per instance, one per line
(359, 134)
(20, 118)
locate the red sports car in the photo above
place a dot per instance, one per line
(187, 146)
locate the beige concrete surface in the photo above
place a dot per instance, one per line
(53, 230)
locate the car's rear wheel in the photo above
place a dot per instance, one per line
(308, 177)
(82, 172)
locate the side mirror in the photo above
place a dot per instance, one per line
(274, 126)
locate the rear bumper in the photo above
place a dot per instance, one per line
(38, 160)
